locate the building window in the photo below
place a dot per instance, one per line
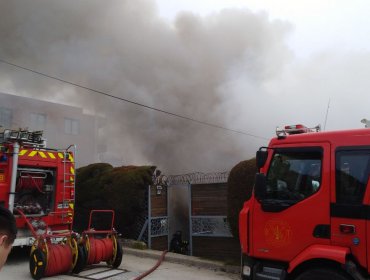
(38, 121)
(5, 117)
(71, 126)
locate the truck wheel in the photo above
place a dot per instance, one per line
(323, 274)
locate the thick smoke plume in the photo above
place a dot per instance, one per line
(213, 68)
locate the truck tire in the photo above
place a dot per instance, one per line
(323, 274)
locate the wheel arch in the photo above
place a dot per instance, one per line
(333, 255)
(316, 263)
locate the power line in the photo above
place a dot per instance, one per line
(132, 102)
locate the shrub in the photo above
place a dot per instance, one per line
(122, 189)
(239, 189)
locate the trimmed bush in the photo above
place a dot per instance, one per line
(122, 189)
(240, 185)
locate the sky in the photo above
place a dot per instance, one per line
(249, 66)
(318, 25)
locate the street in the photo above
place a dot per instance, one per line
(131, 267)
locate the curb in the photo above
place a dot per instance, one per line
(182, 259)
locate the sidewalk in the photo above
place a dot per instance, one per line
(182, 259)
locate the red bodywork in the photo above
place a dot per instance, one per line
(44, 188)
(288, 236)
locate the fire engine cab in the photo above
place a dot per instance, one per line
(37, 184)
(309, 214)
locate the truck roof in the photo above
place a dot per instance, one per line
(352, 137)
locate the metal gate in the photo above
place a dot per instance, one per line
(154, 226)
(175, 204)
(201, 223)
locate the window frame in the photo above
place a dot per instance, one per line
(353, 150)
(72, 122)
(34, 121)
(305, 153)
(9, 114)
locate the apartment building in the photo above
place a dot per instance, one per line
(63, 125)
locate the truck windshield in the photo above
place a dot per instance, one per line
(294, 174)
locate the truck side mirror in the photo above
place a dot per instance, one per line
(261, 157)
(260, 186)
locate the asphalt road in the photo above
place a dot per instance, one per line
(17, 269)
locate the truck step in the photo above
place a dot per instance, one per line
(270, 273)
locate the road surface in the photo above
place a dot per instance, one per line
(132, 266)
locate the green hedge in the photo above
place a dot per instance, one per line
(123, 189)
(240, 184)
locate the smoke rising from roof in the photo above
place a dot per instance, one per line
(213, 68)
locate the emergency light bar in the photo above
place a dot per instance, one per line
(13, 134)
(295, 129)
(23, 136)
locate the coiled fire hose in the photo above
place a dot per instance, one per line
(100, 250)
(59, 259)
(160, 260)
(48, 259)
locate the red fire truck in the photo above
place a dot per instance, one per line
(309, 211)
(36, 183)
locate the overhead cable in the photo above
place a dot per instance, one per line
(132, 102)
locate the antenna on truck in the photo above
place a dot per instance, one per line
(327, 113)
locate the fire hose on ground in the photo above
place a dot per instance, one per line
(159, 262)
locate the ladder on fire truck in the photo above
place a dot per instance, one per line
(69, 184)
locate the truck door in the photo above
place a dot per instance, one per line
(349, 211)
(294, 212)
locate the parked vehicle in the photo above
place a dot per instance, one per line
(308, 217)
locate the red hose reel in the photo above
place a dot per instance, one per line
(31, 181)
(48, 258)
(101, 245)
(53, 254)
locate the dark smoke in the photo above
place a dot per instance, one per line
(124, 48)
